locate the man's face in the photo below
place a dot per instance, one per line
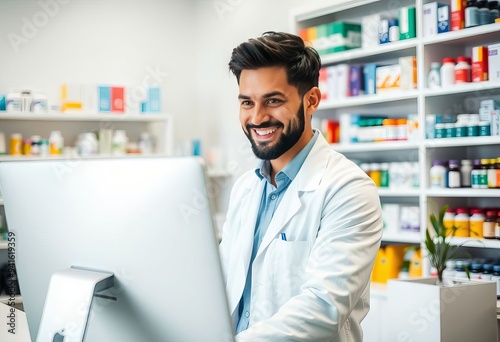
(271, 111)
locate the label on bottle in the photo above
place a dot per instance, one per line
(489, 229)
(462, 75)
(476, 228)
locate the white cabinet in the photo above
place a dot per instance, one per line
(422, 101)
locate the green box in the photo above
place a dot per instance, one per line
(407, 23)
(343, 36)
(321, 39)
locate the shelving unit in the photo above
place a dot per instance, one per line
(422, 101)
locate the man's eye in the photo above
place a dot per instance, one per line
(246, 103)
(274, 101)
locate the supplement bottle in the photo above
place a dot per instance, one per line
(483, 12)
(497, 227)
(384, 175)
(476, 271)
(449, 220)
(476, 174)
(460, 270)
(375, 173)
(394, 29)
(461, 125)
(471, 14)
(462, 223)
(476, 223)
(487, 272)
(439, 131)
(473, 125)
(35, 145)
(447, 72)
(16, 144)
(494, 10)
(119, 142)
(434, 76)
(450, 130)
(56, 143)
(489, 224)
(483, 174)
(437, 174)
(453, 174)
(484, 129)
(496, 278)
(497, 168)
(462, 70)
(449, 271)
(491, 174)
(465, 170)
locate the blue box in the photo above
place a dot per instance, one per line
(356, 84)
(370, 78)
(443, 19)
(153, 102)
(104, 99)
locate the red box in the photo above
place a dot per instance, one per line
(323, 83)
(479, 63)
(117, 99)
(457, 14)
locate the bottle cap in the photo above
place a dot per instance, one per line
(462, 211)
(487, 267)
(393, 22)
(438, 162)
(496, 268)
(453, 162)
(491, 213)
(448, 60)
(463, 59)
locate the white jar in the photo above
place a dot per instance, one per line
(437, 174)
(462, 70)
(56, 143)
(119, 142)
(447, 72)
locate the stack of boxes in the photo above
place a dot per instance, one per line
(333, 37)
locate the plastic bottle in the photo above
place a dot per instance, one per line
(497, 168)
(447, 72)
(119, 142)
(15, 144)
(453, 174)
(483, 174)
(394, 30)
(476, 174)
(483, 12)
(35, 145)
(489, 225)
(87, 144)
(462, 70)
(491, 174)
(145, 143)
(476, 223)
(496, 277)
(437, 174)
(449, 271)
(465, 171)
(460, 270)
(449, 220)
(461, 125)
(487, 272)
(439, 131)
(476, 271)
(497, 227)
(484, 129)
(384, 175)
(471, 14)
(56, 143)
(44, 148)
(494, 10)
(390, 128)
(462, 223)
(401, 129)
(375, 173)
(434, 76)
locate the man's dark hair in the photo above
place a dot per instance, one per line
(301, 62)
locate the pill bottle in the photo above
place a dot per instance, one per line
(484, 129)
(449, 220)
(487, 272)
(16, 144)
(497, 227)
(476, 223)
(483, 174)
(491, 174)
(453, 174)
(56, 143)
(476, 271)
(462, 70)
(437, 174)
(450, 130)
(471, 14)
(462, 223)
(476, 174)
(494, 10)
(473, 125)
(434, 76)
(460, 270)
(401, 129)
(119, 142)
(27, 147)
(465, 171)
(497, 169)
(461, 125)
(496, 277)
(390, 129)
(384, 175)
(375, 173)
(489, 224)
(439, 131)
(447, 72)
(394, 30)
(449, 271)
(483, 12)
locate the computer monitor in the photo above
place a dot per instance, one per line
(147, 220)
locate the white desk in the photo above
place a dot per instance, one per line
(22, 333)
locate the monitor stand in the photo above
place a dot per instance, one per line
(68, 303)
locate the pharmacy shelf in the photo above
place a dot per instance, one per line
(463, 192)
(378, 146)
(403, 237)
(468, 141)
(475, 242)
(466, 36)
(86, 117)
(363, 100)
(8, 158)
(402, 48)
(474, 88)
(399, 192)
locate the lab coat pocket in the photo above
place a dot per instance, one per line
(290, 260)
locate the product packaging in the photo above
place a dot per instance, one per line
(104, 98)
(479, 63)
(117, 99)
(71, 97)
(388, 78)
(323, 84)
(390, 216)
(458, 14)
(407, 23)
(356, 86)
(494, 62)
(410, 218)
(153, 101)
(408, 73)
(370, 78)
(436, 18)
(369, 30)
(2, 102)
(321, 42)
(343, 36)
(312, 35)
(383, 31)
(338, 81)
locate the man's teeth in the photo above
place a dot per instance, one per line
(265, 132)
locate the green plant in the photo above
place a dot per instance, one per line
(439, 243)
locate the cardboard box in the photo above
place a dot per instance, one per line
(117, 99)
(153, 101)
(494, 62)
(356, 84)
(409, 220)
(104, 98)
(457, 14)
(408, 73)
(390, 218)
(495, 122)
(435, 18)
(489, 104)
(383, 31)
(343, 36)
(369, 30)
(479, 63)
(321, 43)
(370, 78)
(341, 81)
(407, 23)
(312, 35)
(388, 78)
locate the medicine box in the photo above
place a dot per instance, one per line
(479, 63)
(321, 44)
(153, 101)
(457, 14)
(388, 78)
(370, 77)
(495, 122)
(323, 83)
(312, 35)
(356, 86)
(390, 218)
(436, 18)
(489, 104)
(407, 23)
(383, 31)
(2, 102)
(408, 73)
(71, 97)
(369, 30)
(104, 98)
(494, 62)
(343, 36)
(410, 218)
(341, 81)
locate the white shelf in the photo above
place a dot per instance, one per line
(382, 192)
(474, 88)
(85, 117)
(378, 146)
(467, 141)
(402, 237)
(8, 158)
(475, 242)
(362, 100)
(463, 192)
(469, 35)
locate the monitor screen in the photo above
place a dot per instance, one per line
(147, 220)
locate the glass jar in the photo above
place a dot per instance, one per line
(489, 225)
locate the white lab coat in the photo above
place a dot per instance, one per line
(315, 285)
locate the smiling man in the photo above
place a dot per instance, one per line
(302, 229)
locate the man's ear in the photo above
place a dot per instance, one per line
(311, 100)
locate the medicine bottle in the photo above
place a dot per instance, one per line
(394, 30)
(484, 129)
(119, 142)
(461, 125)
(449, 271)
(483, 174)
(35, 145)
(447, 72)
(390, 129)
(491, 174)
(476, 223)
(453, 174)
(476, 271)
(460, 270)
(471, 14)
(496, 277)
(465, 171)
(494, 10)
(462, 70)
(56, 143)
(489, 225)
(487, 272)
(16, 144)
(476, 174)
(462, 223)
(449, 220)
(375, 173)
(384, 175)
(483, 12)
(437, 174)
(497, 227)
(434, 76)
(401, 129)
(497, 168)
(439, 131)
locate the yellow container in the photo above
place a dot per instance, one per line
(16, 144)
(415, 269)
(462, 222)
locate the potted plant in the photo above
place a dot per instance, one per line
(427, 309)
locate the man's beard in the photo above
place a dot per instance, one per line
(286, 141)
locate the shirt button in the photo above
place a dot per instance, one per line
(273, 197)
(247, 314)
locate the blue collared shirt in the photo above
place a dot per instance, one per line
(271, 197)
